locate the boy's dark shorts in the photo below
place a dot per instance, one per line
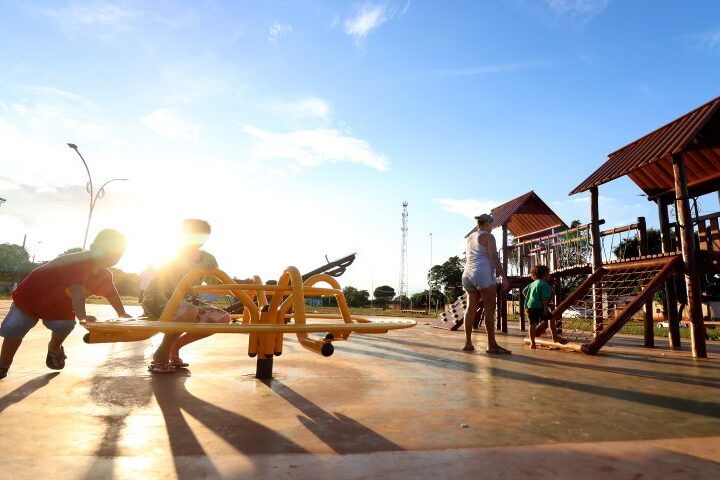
(536, 315)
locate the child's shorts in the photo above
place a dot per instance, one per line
(206, 313)
(536, 315)
(18, 323)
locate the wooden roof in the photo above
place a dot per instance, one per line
(648, 160)
(525, 215)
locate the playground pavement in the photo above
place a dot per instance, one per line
(408, 404)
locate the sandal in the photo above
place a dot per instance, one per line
(3, 371)
(177, 362)
(160, 367)
(56, 361)
(498, 351)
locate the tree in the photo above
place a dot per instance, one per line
(72, 250)
(447, 277)
(402, 301)
(127, 284)
(383, 294)
(14, 262)
(630, 247)
(355, 297)
(419, 300)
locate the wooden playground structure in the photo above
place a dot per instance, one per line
(673, 166)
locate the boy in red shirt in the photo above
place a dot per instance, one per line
(56, 291)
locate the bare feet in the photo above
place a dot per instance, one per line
(533, 346)
(468, 348)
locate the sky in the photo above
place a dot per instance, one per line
(298, 128)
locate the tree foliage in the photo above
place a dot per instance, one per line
(14, 262)
(419, 300)
(355, 297)
(447, 277)
(630, 247)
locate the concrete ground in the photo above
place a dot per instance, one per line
(408, 404)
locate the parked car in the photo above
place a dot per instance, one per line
(666, 324)
(574, 312)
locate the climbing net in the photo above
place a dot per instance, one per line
(604, 301)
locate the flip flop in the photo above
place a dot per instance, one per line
(160, 368)
(56, 361)
(177, 362)
(498, 351)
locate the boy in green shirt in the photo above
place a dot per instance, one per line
(537, 298)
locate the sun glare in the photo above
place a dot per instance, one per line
(149, 245)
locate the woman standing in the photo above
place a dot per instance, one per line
(478, 280)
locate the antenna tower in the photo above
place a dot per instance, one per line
(402, 289)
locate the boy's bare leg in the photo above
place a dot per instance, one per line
(55, 344)
(532, 336)
(9, 347)
(212, 316)
(470, 312)
(162, 354)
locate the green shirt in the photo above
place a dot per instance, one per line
(536, 292)
(161, 288)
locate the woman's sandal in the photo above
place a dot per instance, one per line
(156, 367)
(498, 351)
(3, 371)
(177, 362)
(56, 361)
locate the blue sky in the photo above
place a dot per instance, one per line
(298, 128)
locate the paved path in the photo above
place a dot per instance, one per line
(387, 406)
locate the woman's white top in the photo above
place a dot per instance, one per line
(476, 255)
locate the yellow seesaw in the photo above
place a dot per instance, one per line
(266, 321)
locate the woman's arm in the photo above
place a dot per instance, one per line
(492, 253)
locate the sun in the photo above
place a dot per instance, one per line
(149, 244)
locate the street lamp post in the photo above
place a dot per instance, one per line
(429, 285)
(94, 195)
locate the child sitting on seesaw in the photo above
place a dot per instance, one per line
(56, 291)
(537, 299)
(157, 295)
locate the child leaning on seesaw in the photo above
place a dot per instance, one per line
(56, 291)
(537, 299)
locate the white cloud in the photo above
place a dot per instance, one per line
(278, 31)
(167, 123)
(367, 18)
(709, 40)
(297, 109)
(311, 148)
(582, 10)
(468, 207)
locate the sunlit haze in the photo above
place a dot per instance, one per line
(298, 129)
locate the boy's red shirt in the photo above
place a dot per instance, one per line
(45, 292)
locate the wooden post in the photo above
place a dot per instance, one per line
(670, 292)
(521, 296)
(596, 258)
(648, 321)
(503, 294)
(692, 279)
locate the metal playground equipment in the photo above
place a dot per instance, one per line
(269, 312)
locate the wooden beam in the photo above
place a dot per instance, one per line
(648, 321)
(692, 279)
(671, 307)
(595, 241)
